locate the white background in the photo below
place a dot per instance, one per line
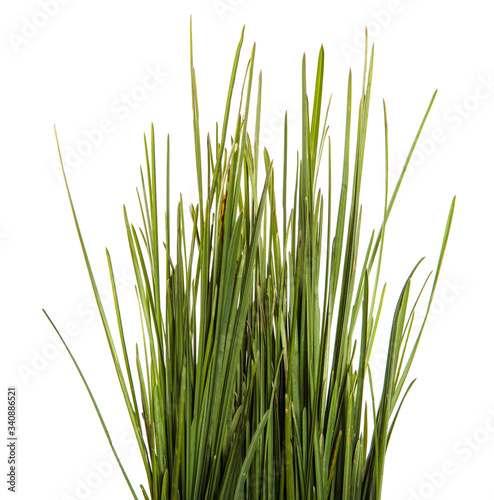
(74, 68)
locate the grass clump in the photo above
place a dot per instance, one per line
(249, 383)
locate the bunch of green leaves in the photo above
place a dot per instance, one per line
(247, 384)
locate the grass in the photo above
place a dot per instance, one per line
(249, 382)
